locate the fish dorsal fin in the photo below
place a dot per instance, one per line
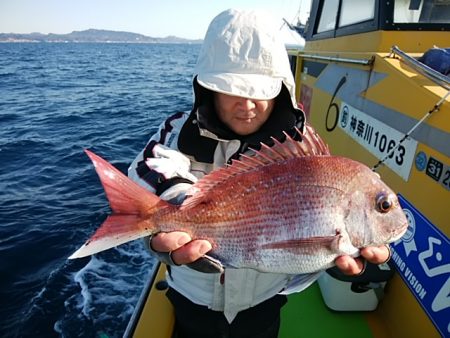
(310, 145)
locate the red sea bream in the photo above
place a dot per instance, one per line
(290, 208)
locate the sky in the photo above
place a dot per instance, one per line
(156, 18)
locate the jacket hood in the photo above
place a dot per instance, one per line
(243, 55)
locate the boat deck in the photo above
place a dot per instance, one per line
(306, 315)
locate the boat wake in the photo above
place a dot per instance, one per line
(110, 287)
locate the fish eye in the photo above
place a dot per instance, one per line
(383, 203)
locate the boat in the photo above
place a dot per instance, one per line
(372, 81)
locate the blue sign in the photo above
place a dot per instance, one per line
(421, 161)
(422, 258)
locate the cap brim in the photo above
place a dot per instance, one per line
(252, 86)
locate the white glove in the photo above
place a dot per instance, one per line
(170, 163)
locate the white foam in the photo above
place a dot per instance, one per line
(110, 283)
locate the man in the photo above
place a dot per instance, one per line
(244, 94)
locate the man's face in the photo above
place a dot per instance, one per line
(243, 116)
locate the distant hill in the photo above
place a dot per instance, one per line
(92, 35)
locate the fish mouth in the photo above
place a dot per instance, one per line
(398, 233)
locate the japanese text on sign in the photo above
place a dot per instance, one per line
(379, 139)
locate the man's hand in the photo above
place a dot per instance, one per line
(182, 248)
(355, 266)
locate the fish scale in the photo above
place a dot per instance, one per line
(290, 208)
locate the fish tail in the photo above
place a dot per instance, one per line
(133, 207)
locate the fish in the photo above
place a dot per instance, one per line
(287, 208)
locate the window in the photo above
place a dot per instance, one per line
(355, 11)
(403, 13)
(328, 16)
(422, 11)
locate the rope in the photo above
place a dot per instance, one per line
(426, 116)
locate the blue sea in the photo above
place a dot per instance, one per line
(55, 101)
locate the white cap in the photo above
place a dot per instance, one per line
(243, 55)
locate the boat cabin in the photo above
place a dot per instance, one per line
(374, 81)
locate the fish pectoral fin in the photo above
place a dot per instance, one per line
(207, 264)
(302, 243)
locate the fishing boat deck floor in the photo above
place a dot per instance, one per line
(306, 315)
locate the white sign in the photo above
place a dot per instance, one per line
(379, 139)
